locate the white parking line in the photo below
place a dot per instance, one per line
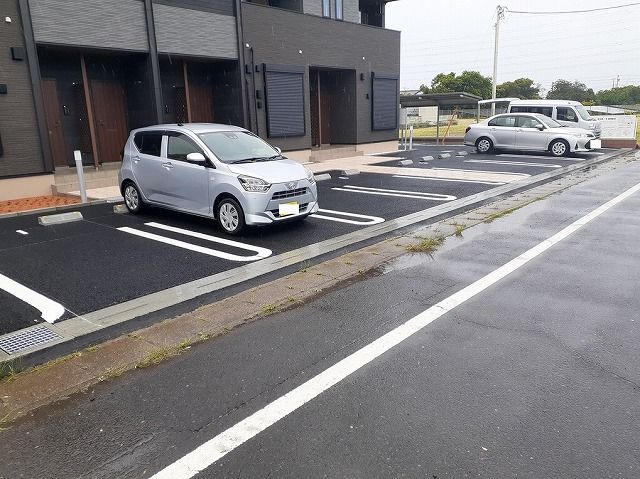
(513, 163)
(50, 311)
(498, 173)
(260, 252)
(400, 193)
(369, 220)
(542, 157)
(211, 451)
(433, 178)
(22, 232)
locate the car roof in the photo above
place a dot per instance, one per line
(545, 102)
(192, 127)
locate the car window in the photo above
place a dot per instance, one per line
(528, 122)
(518, 109)
(508, 121)
(148, 142)
(179, 146)
(566, 114)
(543, 110)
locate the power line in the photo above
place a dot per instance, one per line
(574, 11)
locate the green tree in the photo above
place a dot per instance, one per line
(522, 88)
(626, 95)
(570, 90)
(468, 82)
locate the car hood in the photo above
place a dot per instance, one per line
(275, 171)
(569, 131)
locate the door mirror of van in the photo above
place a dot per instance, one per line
(197, 159)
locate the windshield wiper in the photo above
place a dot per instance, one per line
(259, 158)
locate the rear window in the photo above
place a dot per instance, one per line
(543, 110)
(148, 142)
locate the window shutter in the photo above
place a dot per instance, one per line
(385, 102)
(285, 100)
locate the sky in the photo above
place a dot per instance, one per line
(455, 35)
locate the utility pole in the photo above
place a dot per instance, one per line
(499, 16)
(618, 81)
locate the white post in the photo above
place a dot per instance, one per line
(80, 171)
(494, 81)
(411, 137)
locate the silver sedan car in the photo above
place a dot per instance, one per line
(527, 132)
(218, 171)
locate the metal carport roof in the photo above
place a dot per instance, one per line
(439, 99)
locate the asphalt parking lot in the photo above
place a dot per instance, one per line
(110, 258)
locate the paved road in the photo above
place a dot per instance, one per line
(109, 258)
(535, 376)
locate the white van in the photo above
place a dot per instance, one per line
(568, 113)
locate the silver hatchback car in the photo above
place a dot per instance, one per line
(218, 171)
(527, 132)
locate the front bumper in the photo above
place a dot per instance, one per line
(263, 208)
(585, 144)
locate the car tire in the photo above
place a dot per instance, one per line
(484, 145)
(559, 148)
(132, 198)
(230, 216)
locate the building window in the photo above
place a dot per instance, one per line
(339, 10)
(326, 8)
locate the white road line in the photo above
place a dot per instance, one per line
(225, 442)
(369, 220)
(400, 193)
(260, 252)
(50, 311)
(508, 173)
(434, 178)
(514, 163)
(542, 157)
(22, 232)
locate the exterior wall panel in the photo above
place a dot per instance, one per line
(113, 24)
(279, 36)
(18, 126)
(351, 10)
(197, 33)
(221, 7)
(312, 7)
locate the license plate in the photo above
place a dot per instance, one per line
(288, 209)
(595, 144)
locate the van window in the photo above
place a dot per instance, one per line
(508, 121)
(148, 142)
(566, 114)
(543, 110)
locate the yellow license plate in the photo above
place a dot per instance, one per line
(288, 209)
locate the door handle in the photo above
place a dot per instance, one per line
(136, 159)
(167, 165)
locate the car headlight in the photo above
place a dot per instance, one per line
(255, 185)
(310, 176)
(592, 127)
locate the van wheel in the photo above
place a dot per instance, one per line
(484, 145)
(132, 198)
(230, 216)
(559, 148)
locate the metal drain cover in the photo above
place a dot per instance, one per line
(16, 342)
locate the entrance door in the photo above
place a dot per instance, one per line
(201, 102)
(325, 117)
(54, 122)
(110, 119)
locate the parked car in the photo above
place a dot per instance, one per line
(219, 171)
(568, 113)
(519, 131)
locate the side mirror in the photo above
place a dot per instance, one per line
(540, 127)
(197, 159)
(279, 150)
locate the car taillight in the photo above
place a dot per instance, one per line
(467, 130)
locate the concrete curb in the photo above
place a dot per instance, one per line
(58, 208)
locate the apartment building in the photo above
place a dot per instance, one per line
(306, 75)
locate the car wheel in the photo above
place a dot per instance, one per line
(559, 148)
(484, 145)
(230, 216)
(132, 198)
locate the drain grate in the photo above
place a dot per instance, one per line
(16, 342)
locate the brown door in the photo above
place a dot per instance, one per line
(110, 119)
(315, 107)
(201, 103)
(325, 115)
(54, 122)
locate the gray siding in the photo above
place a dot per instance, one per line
(277, 37)
(18, 126)
(312, 7)
(114, 24)
(351, 10)
(222, 7)
(191, 32)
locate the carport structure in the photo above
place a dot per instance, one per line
(438, 100)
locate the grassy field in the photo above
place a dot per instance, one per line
(458, 130)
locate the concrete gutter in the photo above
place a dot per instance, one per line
(23, 392)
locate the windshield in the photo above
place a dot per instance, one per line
(551, 123)
(238, 146)
(582, 111)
